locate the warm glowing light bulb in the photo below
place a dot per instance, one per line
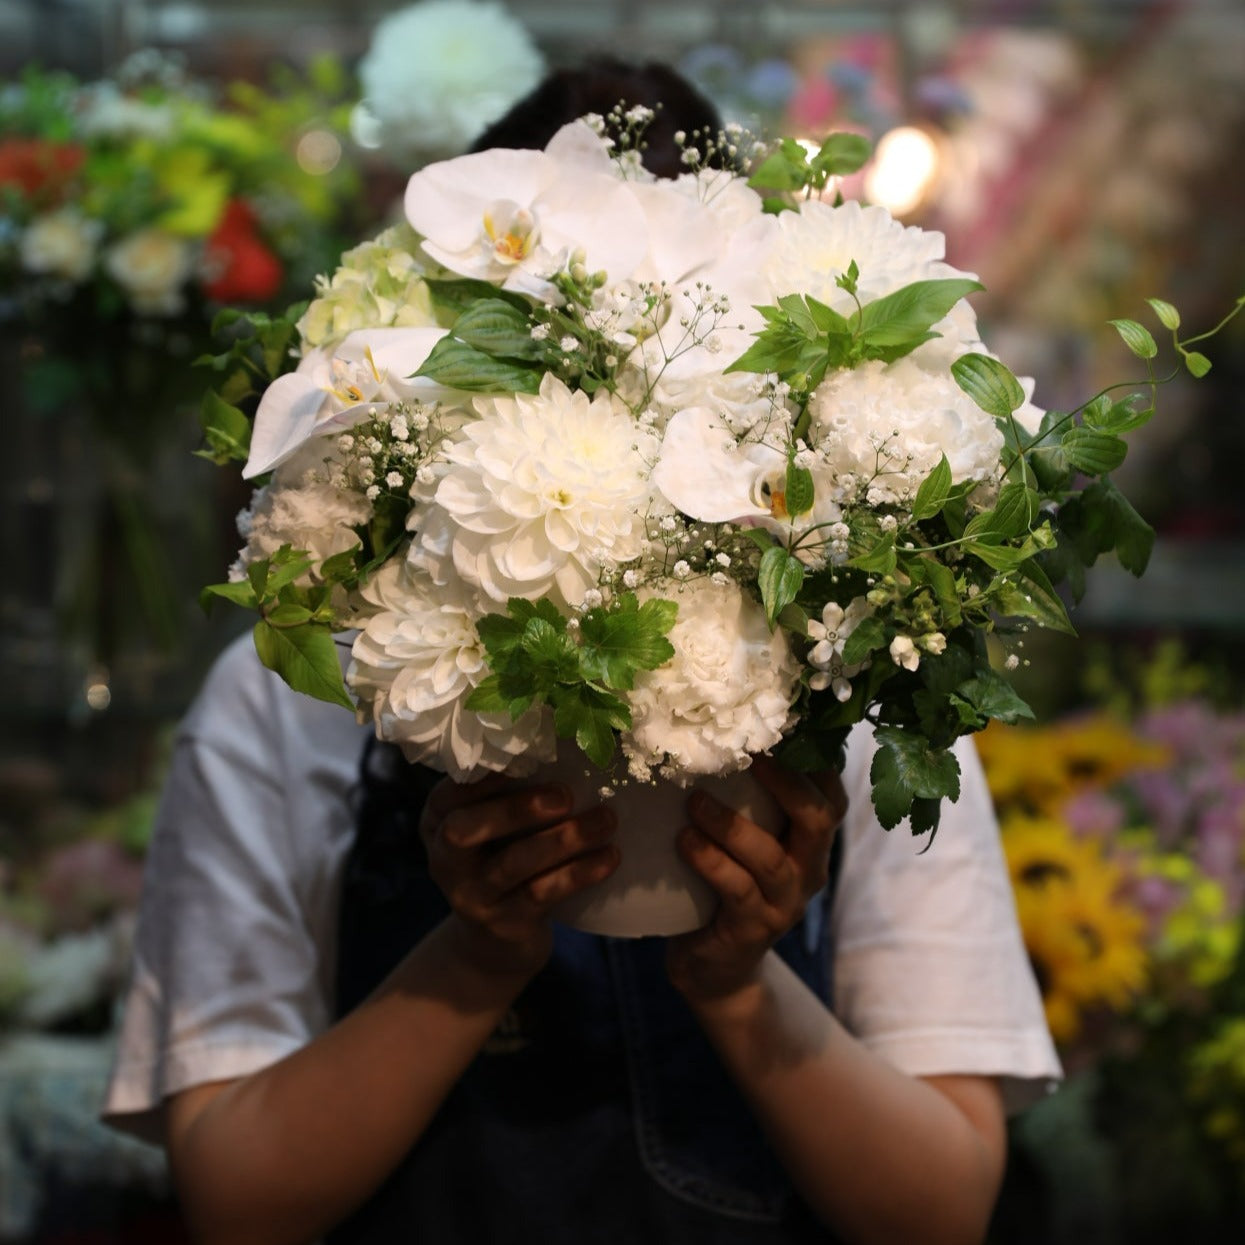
(905, 166)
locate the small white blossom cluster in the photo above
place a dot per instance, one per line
(628, 458)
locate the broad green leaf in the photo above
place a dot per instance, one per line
(1030, 594)
(1198, 364)
(827, 319)
(799, 496)
(881, 559)
(1132, 537)
(487, 697)
(798, 313)
(286, 566)
(1168, 316)
(867, 637)
(1094, 453)
(240, 593)
(498, 329)
(1136, 337)
(779, 577)
(458, 366)
(306, 658)
(590, 717)
(456, 295)
(905, 767)
(1103, 415)
(994, 697)
(1016, 510)
(225, 428)
(989, 383)
(617, 643)
(288, 614)
(842, 153)
(932, 494)
(897, 318)
(257, 573)
(998, 557)
(941, 579)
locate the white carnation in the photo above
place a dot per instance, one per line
(415, 662)
(301, 508)
(724, 696)
(539, 493)
(437, 73)
(888, 425)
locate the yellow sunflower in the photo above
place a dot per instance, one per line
(1086, 943)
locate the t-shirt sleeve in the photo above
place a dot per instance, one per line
(931, 971)
(230, 967)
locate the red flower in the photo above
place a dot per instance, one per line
(240, 267)
(38, 168)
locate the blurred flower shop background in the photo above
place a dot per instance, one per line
(164, 162)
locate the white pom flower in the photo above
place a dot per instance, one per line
(437, 73)
(61, 244)
(539, 492)
(888, 425)
(724, 696)
(414, 663)
(152, 266)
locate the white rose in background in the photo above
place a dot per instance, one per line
(724, 696)
(886, 425)
(541, 492)
(414, 663)
(438, 73)
(61, 244)
(152, 266)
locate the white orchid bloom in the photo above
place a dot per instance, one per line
(333, 391)
(513, 217)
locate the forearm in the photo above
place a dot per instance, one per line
(878, 1155)
(283, 1155)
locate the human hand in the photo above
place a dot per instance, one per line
(763, 882)
(504, 854)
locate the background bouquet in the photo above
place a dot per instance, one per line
(689, 469)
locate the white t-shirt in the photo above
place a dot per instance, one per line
(234, 958)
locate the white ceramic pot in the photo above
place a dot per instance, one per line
(652, 891)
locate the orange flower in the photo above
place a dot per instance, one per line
(240, 267)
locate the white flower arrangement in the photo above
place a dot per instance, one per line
(688, 469)
(437, 73)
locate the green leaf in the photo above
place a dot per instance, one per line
(1015, 511)
(240, 593)
(898, 318)
(1103, 415)
(998, 557)
(306, 658)
(994, 697)
(827, 319)
(618, 642)
(779, 577)
(458, 366)
(1197, 363)
(989, 383)
(932, 494)
(842, 153)
(905, 767)
(927, 570)
(487, 697)
(498, 329)
(1028, 593)
(1168, 316)
(1129, 534)
(867, 637)
(1094, 453)
(1136, 337)
(288, 614)
(226, 430)
(880, 560)
(590, 717)
(799, 496)
(456, 295)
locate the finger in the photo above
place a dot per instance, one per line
(735, 886)
(755, 849)
(513, 811)
(550, 888)
(518, 861)
(815, 805)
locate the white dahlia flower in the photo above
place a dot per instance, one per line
(413, 665)
(726, 693)
(437, 73)
(539, 494)
(886, 425)
(152, 266)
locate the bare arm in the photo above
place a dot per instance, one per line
(879, 1156)
(279, 1157)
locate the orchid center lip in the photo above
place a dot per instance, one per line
(511, 231)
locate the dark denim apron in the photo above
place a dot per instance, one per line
(597, 1113)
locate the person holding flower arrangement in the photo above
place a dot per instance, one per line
(353, 1012)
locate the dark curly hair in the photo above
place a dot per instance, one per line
(599, 87)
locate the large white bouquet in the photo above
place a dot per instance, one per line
(681, 470)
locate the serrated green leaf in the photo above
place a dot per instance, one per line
(1168, 316)
(989, 383)
(458, 366)
(618, 643)
(487, 697)
(898, 318)
(590, 717)
(779, 577)
(993, 696)
(932, 494)
(905, 767)
(1094, 453)
(306, 658)
(1136, 337)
